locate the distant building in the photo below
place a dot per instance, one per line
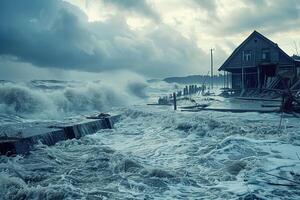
(260, 63)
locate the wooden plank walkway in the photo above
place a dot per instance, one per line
(234, 110)
(196, 106)
(257, 99)
(156, 104)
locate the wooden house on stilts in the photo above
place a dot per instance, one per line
(259, 63)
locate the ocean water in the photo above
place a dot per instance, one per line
(152, 153)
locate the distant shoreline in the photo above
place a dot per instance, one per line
(192, 79)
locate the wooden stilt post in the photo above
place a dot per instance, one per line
(227, 79)
(230, 79)
(174, 100)
(242, 77)
(258, 77)
(224, 79)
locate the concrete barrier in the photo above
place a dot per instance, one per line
(27, 137)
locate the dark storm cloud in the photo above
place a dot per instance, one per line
(138, 6)
(268, 16)
(58, 35)
(45, 33)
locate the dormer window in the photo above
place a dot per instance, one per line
(247, 55)
(265, 55)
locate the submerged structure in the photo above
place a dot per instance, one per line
(260, 63)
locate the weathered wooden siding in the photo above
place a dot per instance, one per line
(236, 81)
(284, 60)
(256, 46)
(258, 71)
(257, 43)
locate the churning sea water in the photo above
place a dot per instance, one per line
(152, 153)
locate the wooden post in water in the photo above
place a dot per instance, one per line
(174, 101)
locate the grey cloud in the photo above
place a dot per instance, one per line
(138, 6)
(55, 34)
(210, 6)
(220, 55)
(257, 2)
(12, 70)
(267, 16)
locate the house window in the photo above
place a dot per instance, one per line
(265, 55)
(247, 55)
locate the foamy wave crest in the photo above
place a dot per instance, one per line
(25, 99)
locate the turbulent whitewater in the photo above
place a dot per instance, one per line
(153, 152)
(53, 99)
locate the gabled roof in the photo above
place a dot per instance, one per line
(252, 35)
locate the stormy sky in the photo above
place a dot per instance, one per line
(48, 39)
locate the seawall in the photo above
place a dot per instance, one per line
(21, 140)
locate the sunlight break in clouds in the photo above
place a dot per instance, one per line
(150, 37)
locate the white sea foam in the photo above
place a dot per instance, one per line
(57, 99)
(157, 153)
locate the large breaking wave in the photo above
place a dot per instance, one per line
(57, 99)
(152, 152)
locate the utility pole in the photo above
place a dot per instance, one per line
(212, 68)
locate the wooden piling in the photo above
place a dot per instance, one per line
(174, 100)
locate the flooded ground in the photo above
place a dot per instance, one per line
(157, 153)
